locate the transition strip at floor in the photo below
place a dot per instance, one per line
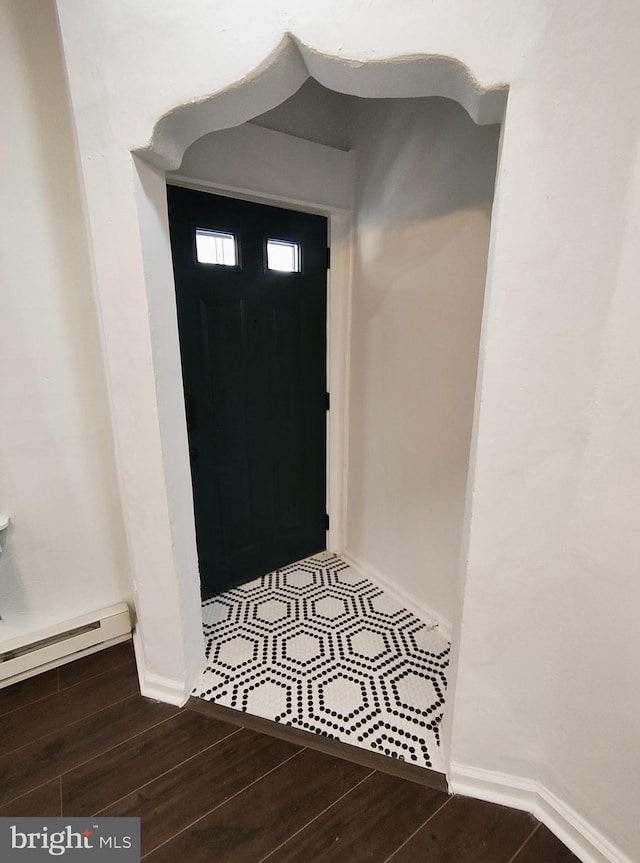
(316, 646)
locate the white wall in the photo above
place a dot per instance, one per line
(550, 567)
(548, 683)
(273, 164)
(63, 554)
(425, 175)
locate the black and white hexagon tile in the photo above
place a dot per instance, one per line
(316, 646)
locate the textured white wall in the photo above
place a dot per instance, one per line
(63, 554)
(424, 186)
(550, 568)
(271, 163)
(548, 684)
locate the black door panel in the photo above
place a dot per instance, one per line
(253, 346)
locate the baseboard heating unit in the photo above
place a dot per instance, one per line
(33, 652)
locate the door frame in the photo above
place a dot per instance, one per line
(338, 333)
(139, 327)
(175, 561)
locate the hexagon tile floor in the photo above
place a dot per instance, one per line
(317, 646)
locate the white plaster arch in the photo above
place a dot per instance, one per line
(284, 71)
(168, 641)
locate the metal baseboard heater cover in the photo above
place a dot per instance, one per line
(34, 652)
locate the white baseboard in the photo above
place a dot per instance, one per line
(162, 689)
(584, 840)
(417, 607)
(155, 686)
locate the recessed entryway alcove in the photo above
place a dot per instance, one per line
(408, 187)
(406, 180)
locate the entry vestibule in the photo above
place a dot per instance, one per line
(408, 187)
(412, 181)
(169, 139)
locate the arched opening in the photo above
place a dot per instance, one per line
(405, 298)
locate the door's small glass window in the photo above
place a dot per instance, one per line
(216, 247)
(283, 256)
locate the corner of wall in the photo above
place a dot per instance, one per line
(529, 795)
(156, 686)
(162, 689)
(418, 607)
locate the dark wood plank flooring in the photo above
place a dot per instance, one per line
(80, 740)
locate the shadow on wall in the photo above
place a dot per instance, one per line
(420, 160)
(425, 176)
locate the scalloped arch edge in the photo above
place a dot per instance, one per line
(286, 69)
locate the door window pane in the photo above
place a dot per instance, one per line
(216, 247)
(283, 256)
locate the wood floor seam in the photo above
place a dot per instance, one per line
(530, 836)
(417, 830)
(116, 745)
(83, 682)
(11, 710)
(223, 803)
(91, 677)
(315, 818)
(165, 772)
(19, 797)
(68, 725)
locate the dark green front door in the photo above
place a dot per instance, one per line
(251, 299)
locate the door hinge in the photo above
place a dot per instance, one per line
(327, 401)
(326, 521)
(328, 258)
